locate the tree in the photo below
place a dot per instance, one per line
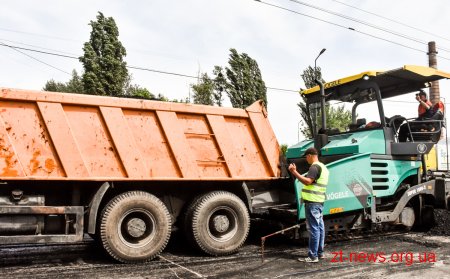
(219, 85)
(162, 98)
(310, 75)
(336, 117)
(74, 85)
(54, 86)
(185, 100)
(309, 118)
(307, 127)
(243, 83)
(204, 91)
(283, 149)
(105, 71)
(135, 91)
(210, 91)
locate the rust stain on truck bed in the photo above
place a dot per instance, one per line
(34, 162)
(50, 165)
(10, 160)
(9, 169)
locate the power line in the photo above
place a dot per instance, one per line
(190, 76)
(281, 89)
(40, 51)
(130, 67)
(345, 27)
(364, 23)
(54, 50)
(139, 68)
(391, 20)
(58, 38)
(161, 72)
(74, 57)
(34, 58)
(142, 68)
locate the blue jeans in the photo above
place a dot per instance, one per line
(314, 217)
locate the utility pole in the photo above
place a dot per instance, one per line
(432, 62)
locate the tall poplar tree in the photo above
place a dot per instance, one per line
(244, 84)
(105, 71)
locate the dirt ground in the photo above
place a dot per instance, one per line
(413, 255)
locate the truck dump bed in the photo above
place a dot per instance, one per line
(45, 135)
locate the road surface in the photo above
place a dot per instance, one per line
(414, 255)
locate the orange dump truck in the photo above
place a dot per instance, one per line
(126, 171)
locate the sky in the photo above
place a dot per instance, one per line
(191, 36)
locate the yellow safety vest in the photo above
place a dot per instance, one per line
(316, 191)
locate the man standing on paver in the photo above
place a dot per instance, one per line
(313, 196)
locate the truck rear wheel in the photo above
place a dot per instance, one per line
(135, 227)
(218, 223)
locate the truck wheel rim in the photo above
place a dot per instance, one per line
(222, 224)
(136, 228)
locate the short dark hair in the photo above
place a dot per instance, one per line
(422, 93)
(311, 151)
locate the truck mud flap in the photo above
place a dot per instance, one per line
(72, 230)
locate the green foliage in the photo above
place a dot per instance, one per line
(184, 101)
(244, 79)
(204, 91)
(162, 98)
(210, 91)
(283, 149)
(219, 85)
(105, 72)
(306, 120)
(135, 91)
(54, 86)
(310, 75)
(74, 85)
(243, 83)
(336, 117)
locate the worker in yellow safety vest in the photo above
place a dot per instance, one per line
(313, 196)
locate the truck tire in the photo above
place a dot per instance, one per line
(217, 223)
(135, 227)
